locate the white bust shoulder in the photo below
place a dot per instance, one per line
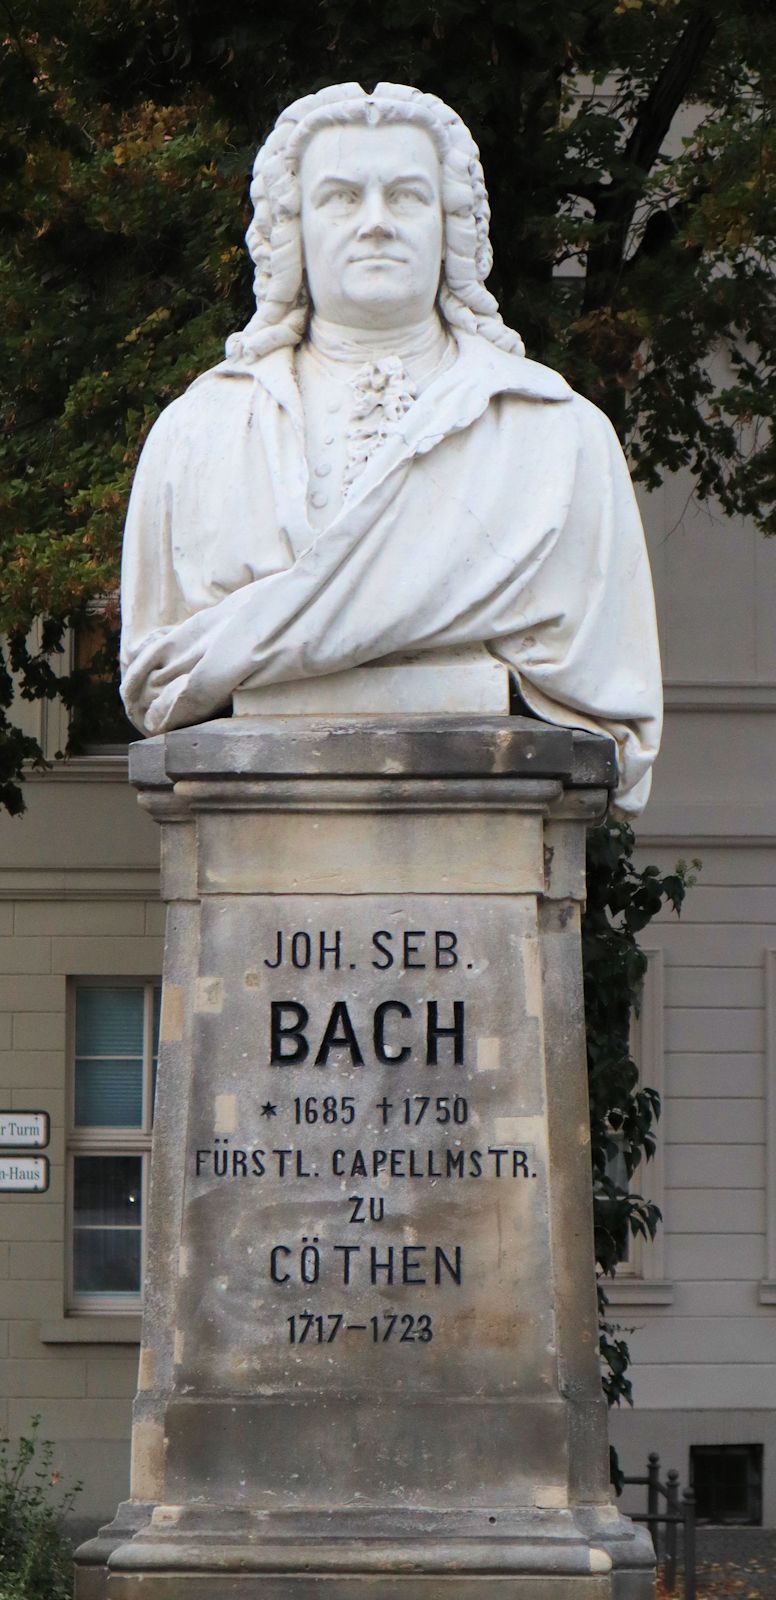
(391, 478)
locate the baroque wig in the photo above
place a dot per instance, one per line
(274, 236)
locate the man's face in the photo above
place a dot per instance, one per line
(372, 224)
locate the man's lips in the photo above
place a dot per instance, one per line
(378, 260)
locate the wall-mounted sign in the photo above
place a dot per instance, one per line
(24, 1130)
(23, 1174)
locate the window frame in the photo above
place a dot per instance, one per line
(752, 1456)
(107, 1142)
(641, 1279)
(78, 642)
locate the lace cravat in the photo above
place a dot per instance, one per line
(383, 393)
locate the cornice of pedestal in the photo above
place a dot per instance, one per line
(271, 751)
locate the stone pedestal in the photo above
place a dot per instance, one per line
(369, 1363)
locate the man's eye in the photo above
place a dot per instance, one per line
(407, 197)
(345, 199)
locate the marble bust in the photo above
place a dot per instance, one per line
(376, 470)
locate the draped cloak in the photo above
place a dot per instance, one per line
(499, 511)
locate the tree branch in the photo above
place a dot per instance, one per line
(661, 227)
(658, 110)
(615, 205)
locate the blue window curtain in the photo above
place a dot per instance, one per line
(109, 1057)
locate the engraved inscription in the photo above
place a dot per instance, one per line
(364, 1198)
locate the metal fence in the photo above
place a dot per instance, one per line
(679, 1512)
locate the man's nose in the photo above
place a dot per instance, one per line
(376, 218)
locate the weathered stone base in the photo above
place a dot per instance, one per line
(209, 1555)
(373, 1468)
(210, 1586)
(91, 1560)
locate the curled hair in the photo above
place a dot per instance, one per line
(274, 236)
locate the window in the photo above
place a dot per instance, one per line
(115, 1032)
(98, 723)
(640, 1278)
(617, 1172)
(728, 1482)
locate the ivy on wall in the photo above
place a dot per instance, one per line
(622, 900)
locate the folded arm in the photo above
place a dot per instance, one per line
(432, 555)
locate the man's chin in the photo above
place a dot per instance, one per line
(377, 279)
(393, 299)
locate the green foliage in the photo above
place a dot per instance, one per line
(128, 129)
(35, 1556)
(621, 901)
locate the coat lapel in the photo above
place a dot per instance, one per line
(450, 404)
